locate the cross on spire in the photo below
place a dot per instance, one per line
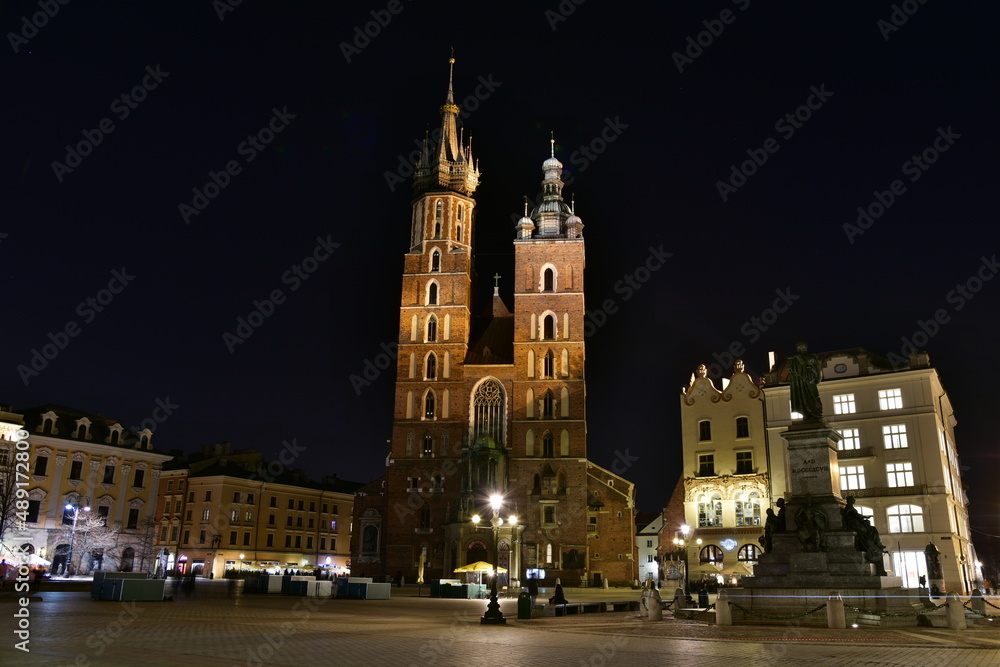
(496, 285)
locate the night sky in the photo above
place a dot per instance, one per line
(652, 109)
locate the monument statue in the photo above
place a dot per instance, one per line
(867, 538)
(804, 374)
(770, 528)
(811, 525)
(780, 526)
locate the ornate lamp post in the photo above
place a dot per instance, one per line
(76, 509)
(493, 614)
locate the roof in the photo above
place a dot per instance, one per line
(66, 424)
(493, 336)
(224, 468)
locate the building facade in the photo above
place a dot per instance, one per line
(108, 473)
(898, 457)
(727, 467)
(224, 511)
(492, 405)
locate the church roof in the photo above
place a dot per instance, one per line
(492, 336)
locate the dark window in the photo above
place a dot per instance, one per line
(109, 474)
(705, 430)
(326, 508)
(549, 514)
(298, 522)
(334, 510)
(41, 463)
(291, 504)
(312, 505)
(288, 541)
(744, 463)
(322, 544)
(706, 465)
(428, 445)
(435, 261)
(432, 330)
(549, 327)
(548, 280)
(237, 496)
(250, 499)
(133, 518)
(549, 365)
(191, 497)
(548, 405)
(301, 505)
(429, 405)
(208, 496)
(76, 470)
(202, 535)
(742, 427)
(548, 446)
(270, 540)
(432, 294)
(274, 502)
(246, 539)
(288, 520)
(33, 507)
(425, 518)
(139, 480)
(114, 437)
(232, 538)
(81, 431)
(298, 541)
(311, 522)
(431, 366)
(270, 519)
(309, 543)
(187, 537)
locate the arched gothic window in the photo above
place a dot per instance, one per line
(548, 445)
(432, 294)
(435, 261)
(748, 553)
(432, 329)
(549, 365)
(548, 405)
(429, 405)
(431, 366)
(489, 411)
(549, 327)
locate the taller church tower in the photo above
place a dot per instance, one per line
(490, 402)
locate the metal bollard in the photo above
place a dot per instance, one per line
(956, 613)
(835, 617)
(723, 613)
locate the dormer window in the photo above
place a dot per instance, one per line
(115, 434)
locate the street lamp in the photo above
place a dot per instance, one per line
(493, 614)
(76, 509)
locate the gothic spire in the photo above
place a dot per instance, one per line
(452, 167)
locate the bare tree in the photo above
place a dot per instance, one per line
(142, 543)
(93, 536)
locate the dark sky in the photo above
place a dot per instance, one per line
(347, 107)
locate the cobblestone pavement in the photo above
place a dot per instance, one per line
(68, 628)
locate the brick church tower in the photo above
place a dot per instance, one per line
(490, 402)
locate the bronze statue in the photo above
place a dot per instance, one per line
(770, 528)
(780, 526)
(804, 374)
(811, 525)
(867, 539)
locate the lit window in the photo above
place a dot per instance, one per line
(706, 465)
(748, 553)
(205, 514)
(890, 399)
(905, 519)
(711, 554)
(748, 511)
(852, 477)
(899, 474)
(705, 430)
(710, 512)
(851, 439)
(894, 436)
(844, 404)
(234, 515)
(742, 427)
(744, 463)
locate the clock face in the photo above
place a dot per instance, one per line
(728, 544)
(840, 368)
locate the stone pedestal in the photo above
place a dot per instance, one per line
(795, 577)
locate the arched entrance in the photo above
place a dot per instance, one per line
(59, 558)
(475, 551)
(128, 559)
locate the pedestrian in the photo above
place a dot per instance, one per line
(558, 597)
(399, 579)
(532, 588)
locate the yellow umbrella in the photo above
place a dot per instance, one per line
(479, 566)
(738, 569)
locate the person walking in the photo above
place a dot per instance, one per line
(533, 588)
